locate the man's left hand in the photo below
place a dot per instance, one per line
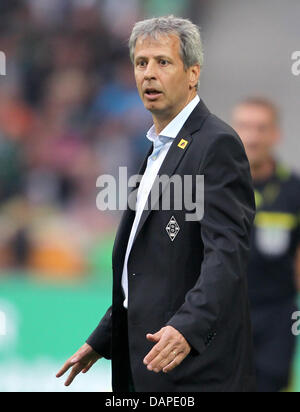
(170, 350)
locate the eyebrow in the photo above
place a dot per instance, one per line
(156, 57)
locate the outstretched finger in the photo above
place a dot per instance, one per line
(156, 350)
(64, 369)
(74, 372)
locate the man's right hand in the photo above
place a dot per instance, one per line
(81, 361)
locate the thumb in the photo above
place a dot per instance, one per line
(155, 337)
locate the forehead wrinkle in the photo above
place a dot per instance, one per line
(171, 41)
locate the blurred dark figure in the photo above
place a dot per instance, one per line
(275, 240)
(21, 248)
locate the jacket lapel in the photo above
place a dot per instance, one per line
(176, 154)
(125, 225)
(168, 167)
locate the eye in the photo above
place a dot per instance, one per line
(163, 62)
(141, 63)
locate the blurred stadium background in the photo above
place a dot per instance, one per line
(69, 112)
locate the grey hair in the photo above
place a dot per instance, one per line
(191, 48)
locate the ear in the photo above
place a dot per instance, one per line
(194, 75)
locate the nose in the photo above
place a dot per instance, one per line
(150, 72)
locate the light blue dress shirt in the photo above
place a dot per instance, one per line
(161, 145)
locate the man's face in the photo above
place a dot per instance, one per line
(162, 81)
(256, 127)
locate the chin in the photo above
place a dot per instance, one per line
(153, 107)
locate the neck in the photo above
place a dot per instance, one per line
(161, 120)
(263, 170)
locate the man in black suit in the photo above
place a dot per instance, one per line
(179, 319)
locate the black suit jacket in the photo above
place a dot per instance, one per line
(196, 283)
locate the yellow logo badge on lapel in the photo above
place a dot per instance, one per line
(183, 144)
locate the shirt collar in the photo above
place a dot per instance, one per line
(174, 127)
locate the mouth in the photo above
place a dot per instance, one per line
(152, 94)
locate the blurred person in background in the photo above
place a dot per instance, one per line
(274, 245)
(185, 281)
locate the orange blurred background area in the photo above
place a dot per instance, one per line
(60, 128)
